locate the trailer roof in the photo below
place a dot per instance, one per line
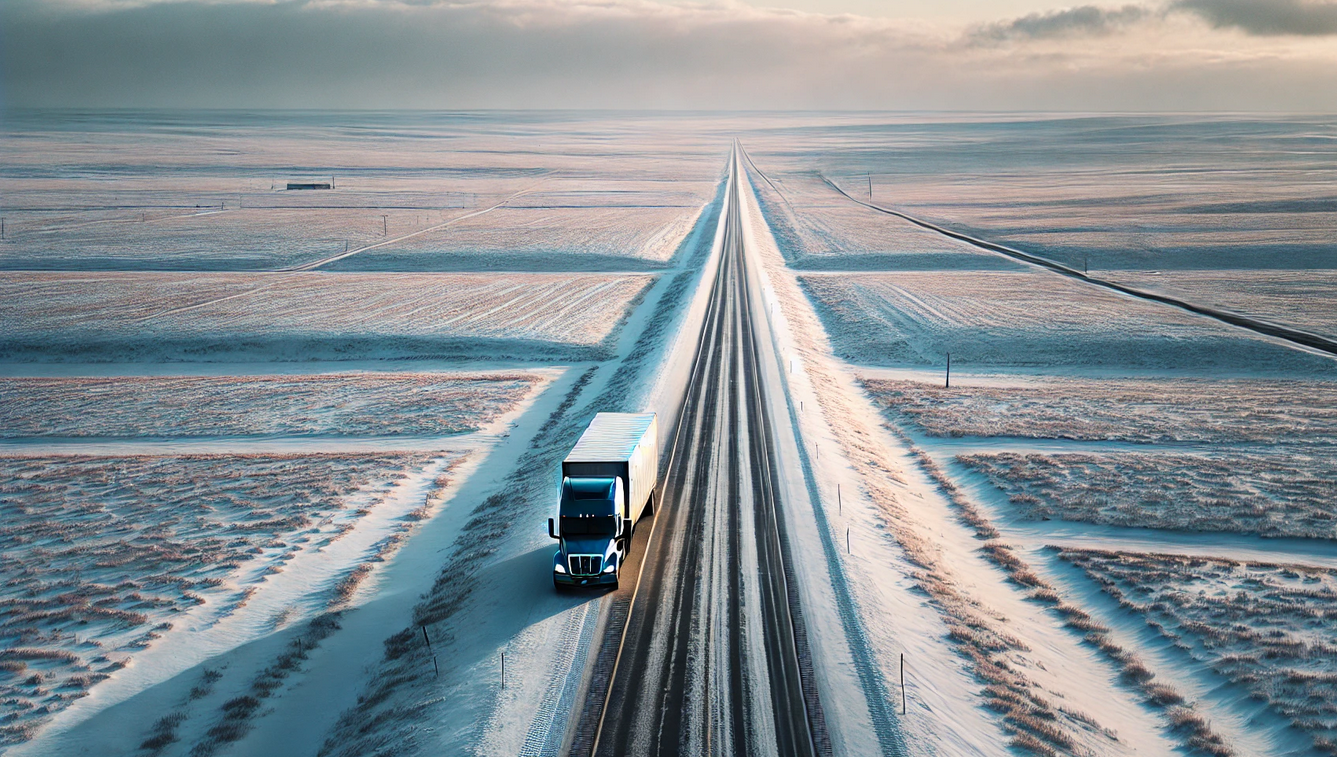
(610, 437)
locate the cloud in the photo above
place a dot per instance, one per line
(1266, 17)
(1087, 20)
(435, 54)
(639, 54)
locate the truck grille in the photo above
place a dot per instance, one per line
(585, 565)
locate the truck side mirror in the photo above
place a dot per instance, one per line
(552, 529)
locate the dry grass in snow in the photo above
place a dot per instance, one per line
(1133, 410)
(307, 315)
(99, 554)
(1267, 627)
(1022, 318)
(349, 404)
(1271, 495)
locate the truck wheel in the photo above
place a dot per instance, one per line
(652, 504)
(560, 589)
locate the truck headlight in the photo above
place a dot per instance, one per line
(611, 566)
(558, 568)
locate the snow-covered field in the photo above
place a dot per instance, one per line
(355, 599)
(208, 191)
(309, 315)
(816, 230)
(1177, 410)
(542, 237)
(1025, 318)
(1118, 195)
(1149, 192)
(324, 404)
(216, 238)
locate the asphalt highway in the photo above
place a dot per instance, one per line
(706, 661)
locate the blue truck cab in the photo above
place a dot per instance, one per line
(608, 482)
(590, 530)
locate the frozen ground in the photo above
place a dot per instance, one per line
(1120, 196)
(1280, 495)
(323, 404)
(307, 316)
(1141, 192)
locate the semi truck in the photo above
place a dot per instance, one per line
(609, 480)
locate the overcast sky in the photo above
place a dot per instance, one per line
(1252, 55)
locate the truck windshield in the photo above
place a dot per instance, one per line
(599, 525)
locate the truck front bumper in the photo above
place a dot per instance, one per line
(565, 579)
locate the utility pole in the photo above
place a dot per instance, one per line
(870, 187)
(948, 385)
(385, 226)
